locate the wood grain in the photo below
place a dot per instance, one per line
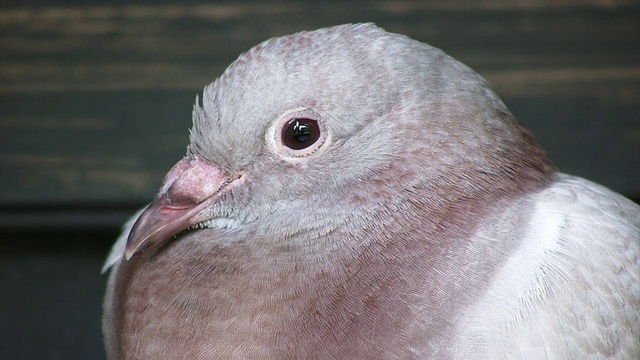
(95, 101)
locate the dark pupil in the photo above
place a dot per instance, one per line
(300, 133)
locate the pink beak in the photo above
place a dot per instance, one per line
(188, 188)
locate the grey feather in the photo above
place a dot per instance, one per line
(423, 223)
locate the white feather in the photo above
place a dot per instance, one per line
(555, 297)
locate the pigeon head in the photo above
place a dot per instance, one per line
(306, 132)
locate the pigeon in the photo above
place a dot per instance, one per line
(349, 193)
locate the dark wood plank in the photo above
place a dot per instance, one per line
(95, 101)
(95, 147)
(52, 293)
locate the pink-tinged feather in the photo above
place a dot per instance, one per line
(422, 222)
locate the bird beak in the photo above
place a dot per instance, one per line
(188, 188)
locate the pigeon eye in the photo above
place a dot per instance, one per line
(300, 133)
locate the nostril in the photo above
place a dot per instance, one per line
(191, 181)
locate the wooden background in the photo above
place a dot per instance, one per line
(95, 106)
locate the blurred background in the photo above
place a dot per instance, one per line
(96, 99)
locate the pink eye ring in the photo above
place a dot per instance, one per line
(297, 134)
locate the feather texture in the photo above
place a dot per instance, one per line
(423, 223)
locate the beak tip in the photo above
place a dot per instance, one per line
(135, 244)
(128, 254)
